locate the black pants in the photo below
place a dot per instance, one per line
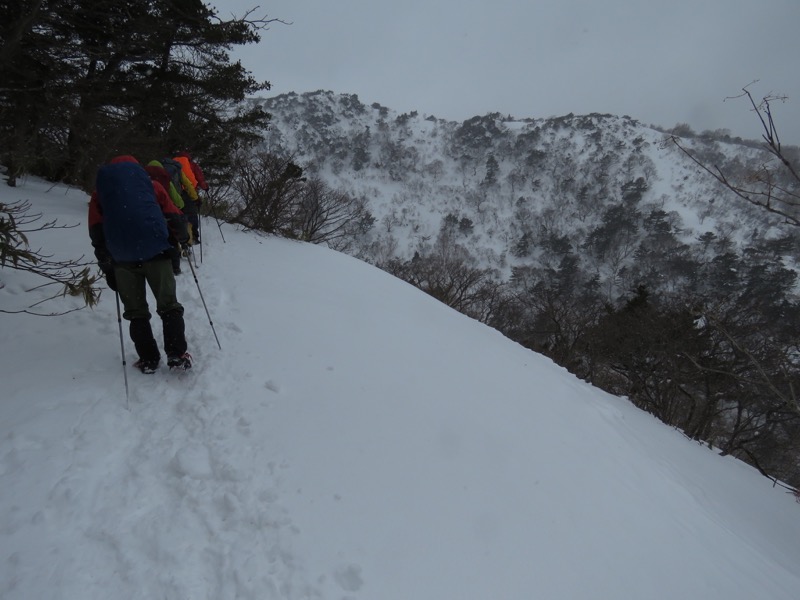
(190, 211)
(175, 258)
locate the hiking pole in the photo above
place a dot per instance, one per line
(210, 322)
(200, 233)
(214, 214)
(122, 348)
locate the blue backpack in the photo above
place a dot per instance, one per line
(134, 226)
(174, 169)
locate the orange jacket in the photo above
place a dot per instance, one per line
(187, 169)
(199, 180)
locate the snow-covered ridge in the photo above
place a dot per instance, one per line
(509, 177)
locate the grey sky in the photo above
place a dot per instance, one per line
(658, 62)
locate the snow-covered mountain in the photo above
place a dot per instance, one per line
(512, 184)
(353, 438)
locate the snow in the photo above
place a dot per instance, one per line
(353, 438)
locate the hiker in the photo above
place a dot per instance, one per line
(197, 178)
(133, 224)
(160, 174)
(173, 187)
(188, 192)
(185, 159)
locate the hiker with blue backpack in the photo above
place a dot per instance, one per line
(133, 226)
(158, 173)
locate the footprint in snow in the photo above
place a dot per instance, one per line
(349, 578)
(193, 461)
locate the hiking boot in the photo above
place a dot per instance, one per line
(147, 367)
(176, 271)
(182, 362)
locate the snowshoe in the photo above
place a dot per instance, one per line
(181, 363)
(148, 367)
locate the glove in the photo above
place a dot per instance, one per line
(107, 269)
(111, 281)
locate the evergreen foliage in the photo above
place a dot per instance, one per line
(83, 80)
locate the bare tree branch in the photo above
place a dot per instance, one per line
(74, 276)
(766, 187)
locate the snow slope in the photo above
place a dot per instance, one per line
(352, 439)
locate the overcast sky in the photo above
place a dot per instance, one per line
(659, 62)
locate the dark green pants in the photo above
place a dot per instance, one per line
(132, 283)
